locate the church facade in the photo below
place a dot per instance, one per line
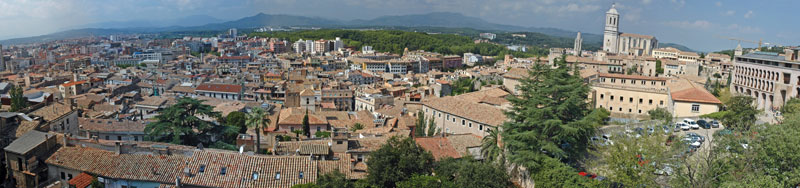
(615, 42)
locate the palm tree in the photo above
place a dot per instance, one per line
(255, 119)
(490, 149)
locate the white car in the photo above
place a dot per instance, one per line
(692, 124)
(684, 126)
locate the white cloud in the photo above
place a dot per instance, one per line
(748, 14)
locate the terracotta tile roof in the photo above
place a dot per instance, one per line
(634, 77)
(367, 144)
(110, 125)
(153, 101)
(73, 83)
(440, 147)
(482, 113)
(516, 73)
(240, 170)
(294, 116)
(182, 89)
(291, 147)
(52, 112)
(223, 88)
(81, 181)
(462, 142)
(695, 94)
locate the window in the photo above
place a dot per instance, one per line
(613, 80)
(480, 127)
(119, 137)
(612, 97)
(661, 102)
(339, 142)
(631, 100)
(202, 168)
(601, 96)
(360, 157)
(300, 175)
(69, 176)
(640, 101)
(223, 170)
(620, 109)
(630, 110)
(695, 108)
(454, 120)
(319, 128)
(621, 98)
(255, 175)
(277, 175)
(463, 122)
(470, 124)
(63, 176)
(651, 101)
(640, 111)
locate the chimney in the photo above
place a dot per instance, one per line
(117, 148)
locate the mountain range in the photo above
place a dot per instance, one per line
(208, 23)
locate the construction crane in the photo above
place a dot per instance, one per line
(760, 42)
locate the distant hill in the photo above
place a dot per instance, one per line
(676, 46)
(193, 20)
(437, 20)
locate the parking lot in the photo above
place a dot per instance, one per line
(616, 130)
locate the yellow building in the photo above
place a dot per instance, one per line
(630, 96)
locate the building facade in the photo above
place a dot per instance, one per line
(768, 77)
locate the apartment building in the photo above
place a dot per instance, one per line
(770, 78)
(629, 96)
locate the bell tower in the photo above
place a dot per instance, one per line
(611, 33)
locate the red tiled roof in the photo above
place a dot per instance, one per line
(82, 180)
(695, 95)
(228, 88)
(438, 146)
(73, 83)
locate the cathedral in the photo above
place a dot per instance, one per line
(615, 42)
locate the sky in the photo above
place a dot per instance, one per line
(699, 24)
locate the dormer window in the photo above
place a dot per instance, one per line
(277, 175)
(255, 175)
(223, 170)
(301, 175)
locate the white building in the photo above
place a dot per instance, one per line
(577, 46)
(299, 46)
(627, 43)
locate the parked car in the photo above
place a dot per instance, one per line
(698, 136)
(677, 128)
(704, 124)
(684, 126)
(666, 129)
(715, 124)
(650, 130)
(666, 170)
(692, 123)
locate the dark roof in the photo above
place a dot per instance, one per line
(27, 142)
